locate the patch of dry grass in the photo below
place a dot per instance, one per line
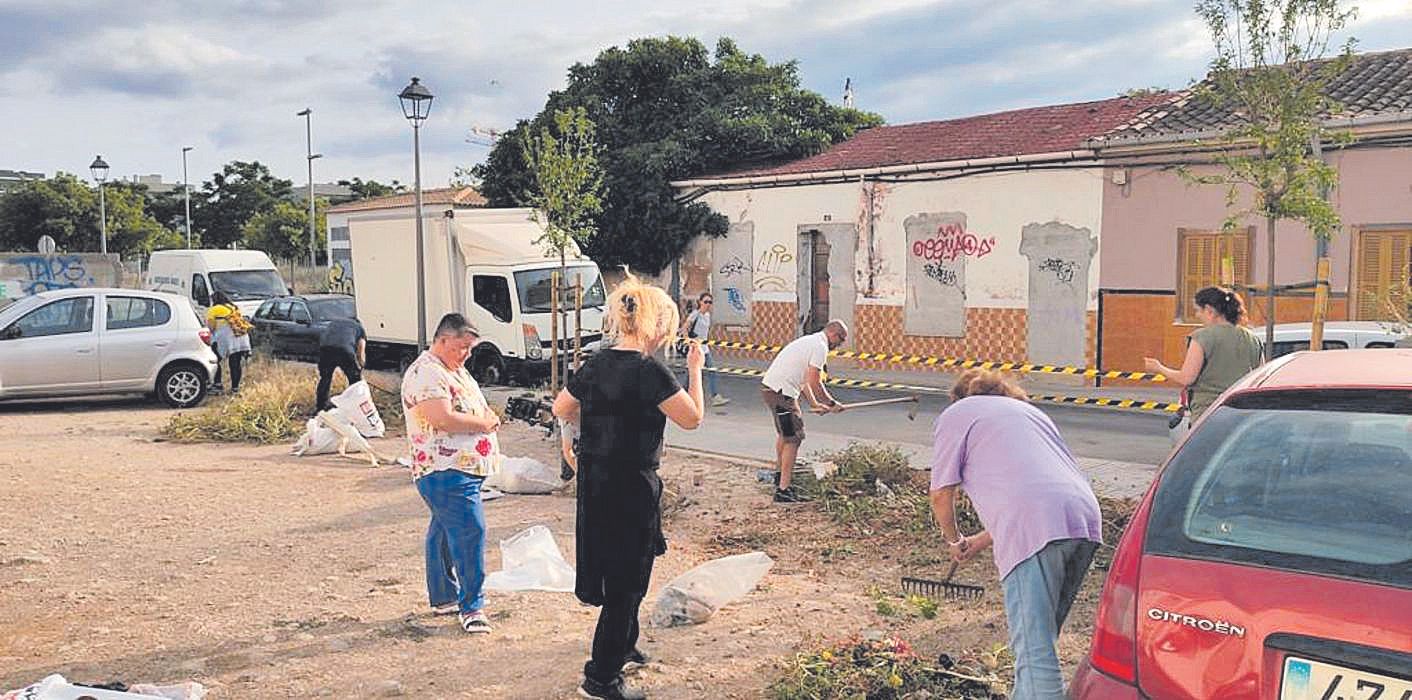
(275, 400)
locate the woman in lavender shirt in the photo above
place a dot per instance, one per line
(1040, 516)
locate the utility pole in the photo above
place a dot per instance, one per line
(186, 190)
(308, 115)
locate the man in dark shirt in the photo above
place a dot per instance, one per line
(342, 345)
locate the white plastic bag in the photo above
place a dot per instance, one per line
(356, 404)
(524, 475)
(317, 439)
(696, 595)
(56, 687)
(530, 561)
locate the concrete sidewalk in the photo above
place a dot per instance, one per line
(754, 440)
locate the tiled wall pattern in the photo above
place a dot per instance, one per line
(991, 334)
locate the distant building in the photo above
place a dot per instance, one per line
(11, 178)
(154, 184)
(334, 193)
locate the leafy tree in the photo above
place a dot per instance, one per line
(367, 189)
(568, 181)
(283, 230)
(62, 207)
(1271, 73)
(131, 226)
(665, 109)
(232, 197)
(66, 209)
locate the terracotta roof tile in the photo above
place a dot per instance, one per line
(1019, 132)
(1374, 84)
(456, 196)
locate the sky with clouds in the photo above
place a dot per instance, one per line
(137, 81)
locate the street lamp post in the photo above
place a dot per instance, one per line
(100, 174)
(416, 105)
(309, 154)
(186, 191)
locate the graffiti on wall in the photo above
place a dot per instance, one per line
(1060, 257)
(1063, 270)
(733, 275)
(768, 269)
(952, 241)
(30, 273)
(939, 246)
(340, 278)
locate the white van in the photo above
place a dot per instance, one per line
(484, 263)
(248, 277)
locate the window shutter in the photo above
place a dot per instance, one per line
(1201, 267)
(1383, 260)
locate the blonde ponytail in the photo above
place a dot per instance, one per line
(640, 311)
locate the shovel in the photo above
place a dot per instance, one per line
(944, 589)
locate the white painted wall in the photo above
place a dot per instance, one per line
(998, 205)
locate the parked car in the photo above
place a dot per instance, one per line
(1338, 335)
(290, 326)
(105, 341)
(1272, 556)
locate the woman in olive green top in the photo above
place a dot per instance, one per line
(1218, 354)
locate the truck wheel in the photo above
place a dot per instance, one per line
(181, 385)
(405, 360)
(488, 368)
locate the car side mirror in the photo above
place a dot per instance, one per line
(303, 321)
(11, 332)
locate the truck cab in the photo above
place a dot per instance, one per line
(248, 277)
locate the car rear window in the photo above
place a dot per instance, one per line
(1301, 480)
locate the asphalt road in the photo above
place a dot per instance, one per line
(1110, 434)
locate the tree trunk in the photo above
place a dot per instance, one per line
(1269, 288)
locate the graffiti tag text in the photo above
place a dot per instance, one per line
(953, 241)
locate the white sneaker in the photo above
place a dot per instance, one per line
(719, 400)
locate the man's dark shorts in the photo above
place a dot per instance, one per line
(789, 422)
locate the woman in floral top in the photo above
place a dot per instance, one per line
(452, 432)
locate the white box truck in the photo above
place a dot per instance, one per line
(248, 277)
(483, 263)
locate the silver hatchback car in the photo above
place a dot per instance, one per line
(105, 341)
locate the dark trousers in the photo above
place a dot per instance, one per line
(237, 368)
(615, 637)
(329, 360)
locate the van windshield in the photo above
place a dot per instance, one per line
(534, 287)
(241, 285)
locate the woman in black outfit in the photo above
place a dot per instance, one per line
(622, 398)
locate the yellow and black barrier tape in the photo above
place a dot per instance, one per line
(952, 362)
(1130, 404)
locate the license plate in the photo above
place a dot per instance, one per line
(1315, 680)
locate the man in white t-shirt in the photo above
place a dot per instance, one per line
(798, 369)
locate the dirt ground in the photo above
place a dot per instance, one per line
(259, 574)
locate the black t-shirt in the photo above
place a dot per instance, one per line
(621, 426)
(342, 334)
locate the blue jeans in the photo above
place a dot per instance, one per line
(455, 543)
(710, 378)
(1038, 594)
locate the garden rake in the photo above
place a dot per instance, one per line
(942, 589)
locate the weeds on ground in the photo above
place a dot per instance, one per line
(852, 498)
(275, 400)
(884, 669)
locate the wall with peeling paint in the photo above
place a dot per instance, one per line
(953, 256)
(997, 208)
(776, 215)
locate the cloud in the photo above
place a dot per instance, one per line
(137, 81)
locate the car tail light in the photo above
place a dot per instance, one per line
(1115, 631)
(533, 347)
(205, 334)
